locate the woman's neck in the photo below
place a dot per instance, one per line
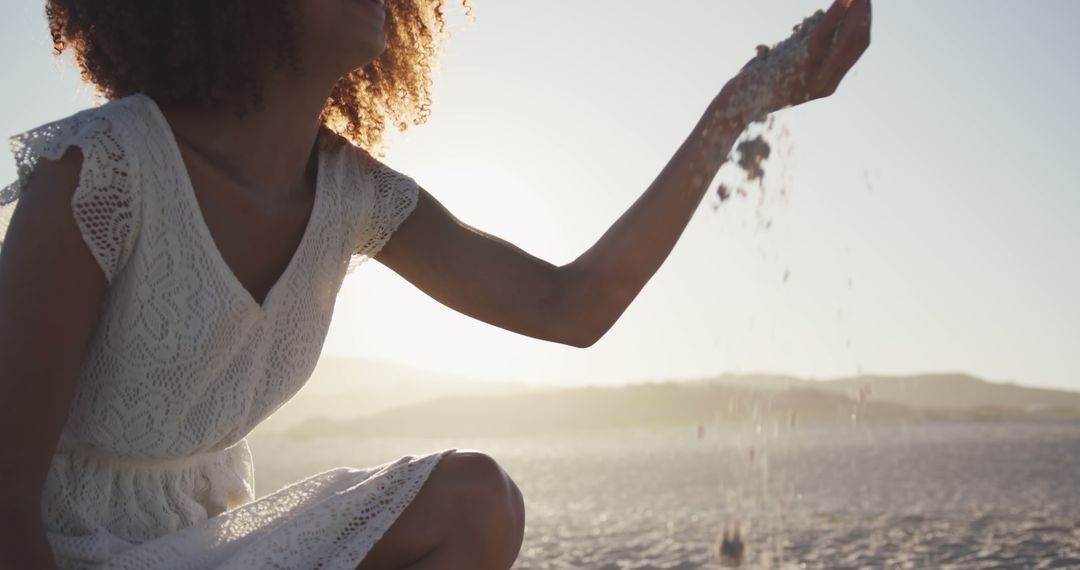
(269, 149)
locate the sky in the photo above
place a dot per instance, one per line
(926, 215)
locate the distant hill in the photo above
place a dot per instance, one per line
(344, 388)
(940, 393)
(349, 396)
(573, 409)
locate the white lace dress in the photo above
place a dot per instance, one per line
(152, 470)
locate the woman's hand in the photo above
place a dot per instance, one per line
(832, 46)
(835, 45)
(806, 66)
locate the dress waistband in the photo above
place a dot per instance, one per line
(220, 479)
(238, 450)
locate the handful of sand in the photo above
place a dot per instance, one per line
(771, 71)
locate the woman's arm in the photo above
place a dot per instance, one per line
(51, 290)
(489, 279)
(494, 281)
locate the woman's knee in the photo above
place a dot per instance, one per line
(488, 496)
(468, 514)
(478, 479)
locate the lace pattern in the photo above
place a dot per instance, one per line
(328, 521)
(388, 198)
(104, 205)
(152, 470)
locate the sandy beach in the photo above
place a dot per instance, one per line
(912, 494)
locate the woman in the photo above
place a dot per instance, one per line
(169, 274)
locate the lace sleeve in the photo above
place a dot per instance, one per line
(105, 205)
(388, 198)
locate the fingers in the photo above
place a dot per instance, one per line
(852, 38)
(855, 36)
(858, 17)
(826, 28)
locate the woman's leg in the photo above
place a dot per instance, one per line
(468, 514)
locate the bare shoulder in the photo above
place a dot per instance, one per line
(50, 182)
(44, 256)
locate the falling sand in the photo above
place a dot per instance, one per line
(768, 75)
(771, 69)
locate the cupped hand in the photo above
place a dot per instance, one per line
(838, 41)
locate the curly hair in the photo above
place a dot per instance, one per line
(218, 52)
